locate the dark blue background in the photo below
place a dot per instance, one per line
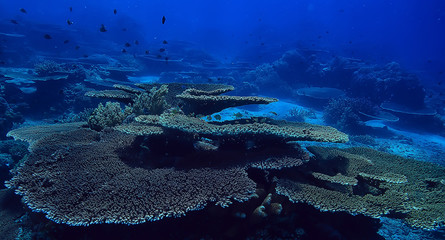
(409, 32)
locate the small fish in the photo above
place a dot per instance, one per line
(164, 42)
(274, 113)
(23, 10)
(127, 45)
(102, 28)
(124, 50)
(124, 29)
(115, 11)
(69, 22)
(77, 47)
(163, 19)
(147, 52)
(136, 42)
(71, 9)
(217, 117)
(47, 36)
(162, 50)
(85, 56)
(159, 56)
(66, 41)
(166, 58)
(14, 21)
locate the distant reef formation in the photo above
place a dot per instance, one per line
(301, 68)
(157, 158)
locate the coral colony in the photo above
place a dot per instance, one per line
(157, 158)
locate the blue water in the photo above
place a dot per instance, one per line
(409, 32)
(394, 55)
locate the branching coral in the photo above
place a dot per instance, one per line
(46, 68)
(109, 115)
(152, 102)
(298, 114)
(344, 113)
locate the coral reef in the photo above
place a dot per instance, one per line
(164, 164)
(8, 117)
(31, 134)
(388, 83)
(152, 102)
(299, 114)
(109, 115)
(118, 95)
(47, 68)
(383, 184)
(300, 68)
(54, 181)
(193, 98)
(207, 103)
(273, 129)
(10, 213)
(264, 78)
(79, 176)
(345, 113)
(280, 163)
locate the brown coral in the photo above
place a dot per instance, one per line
(85, 181)
(338, 178)
(118, 95)
(207, 103)
(139, 129)
(386, 184)
(278, 163)
(283, 130)
(33, 133)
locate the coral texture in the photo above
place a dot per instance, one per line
(109, 115)
(33, 133)
(283, 130)
(207, 102)
(152, 102)
(85, 181)
(385, 184)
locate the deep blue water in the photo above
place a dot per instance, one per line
(383, 55)
(409, 32)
